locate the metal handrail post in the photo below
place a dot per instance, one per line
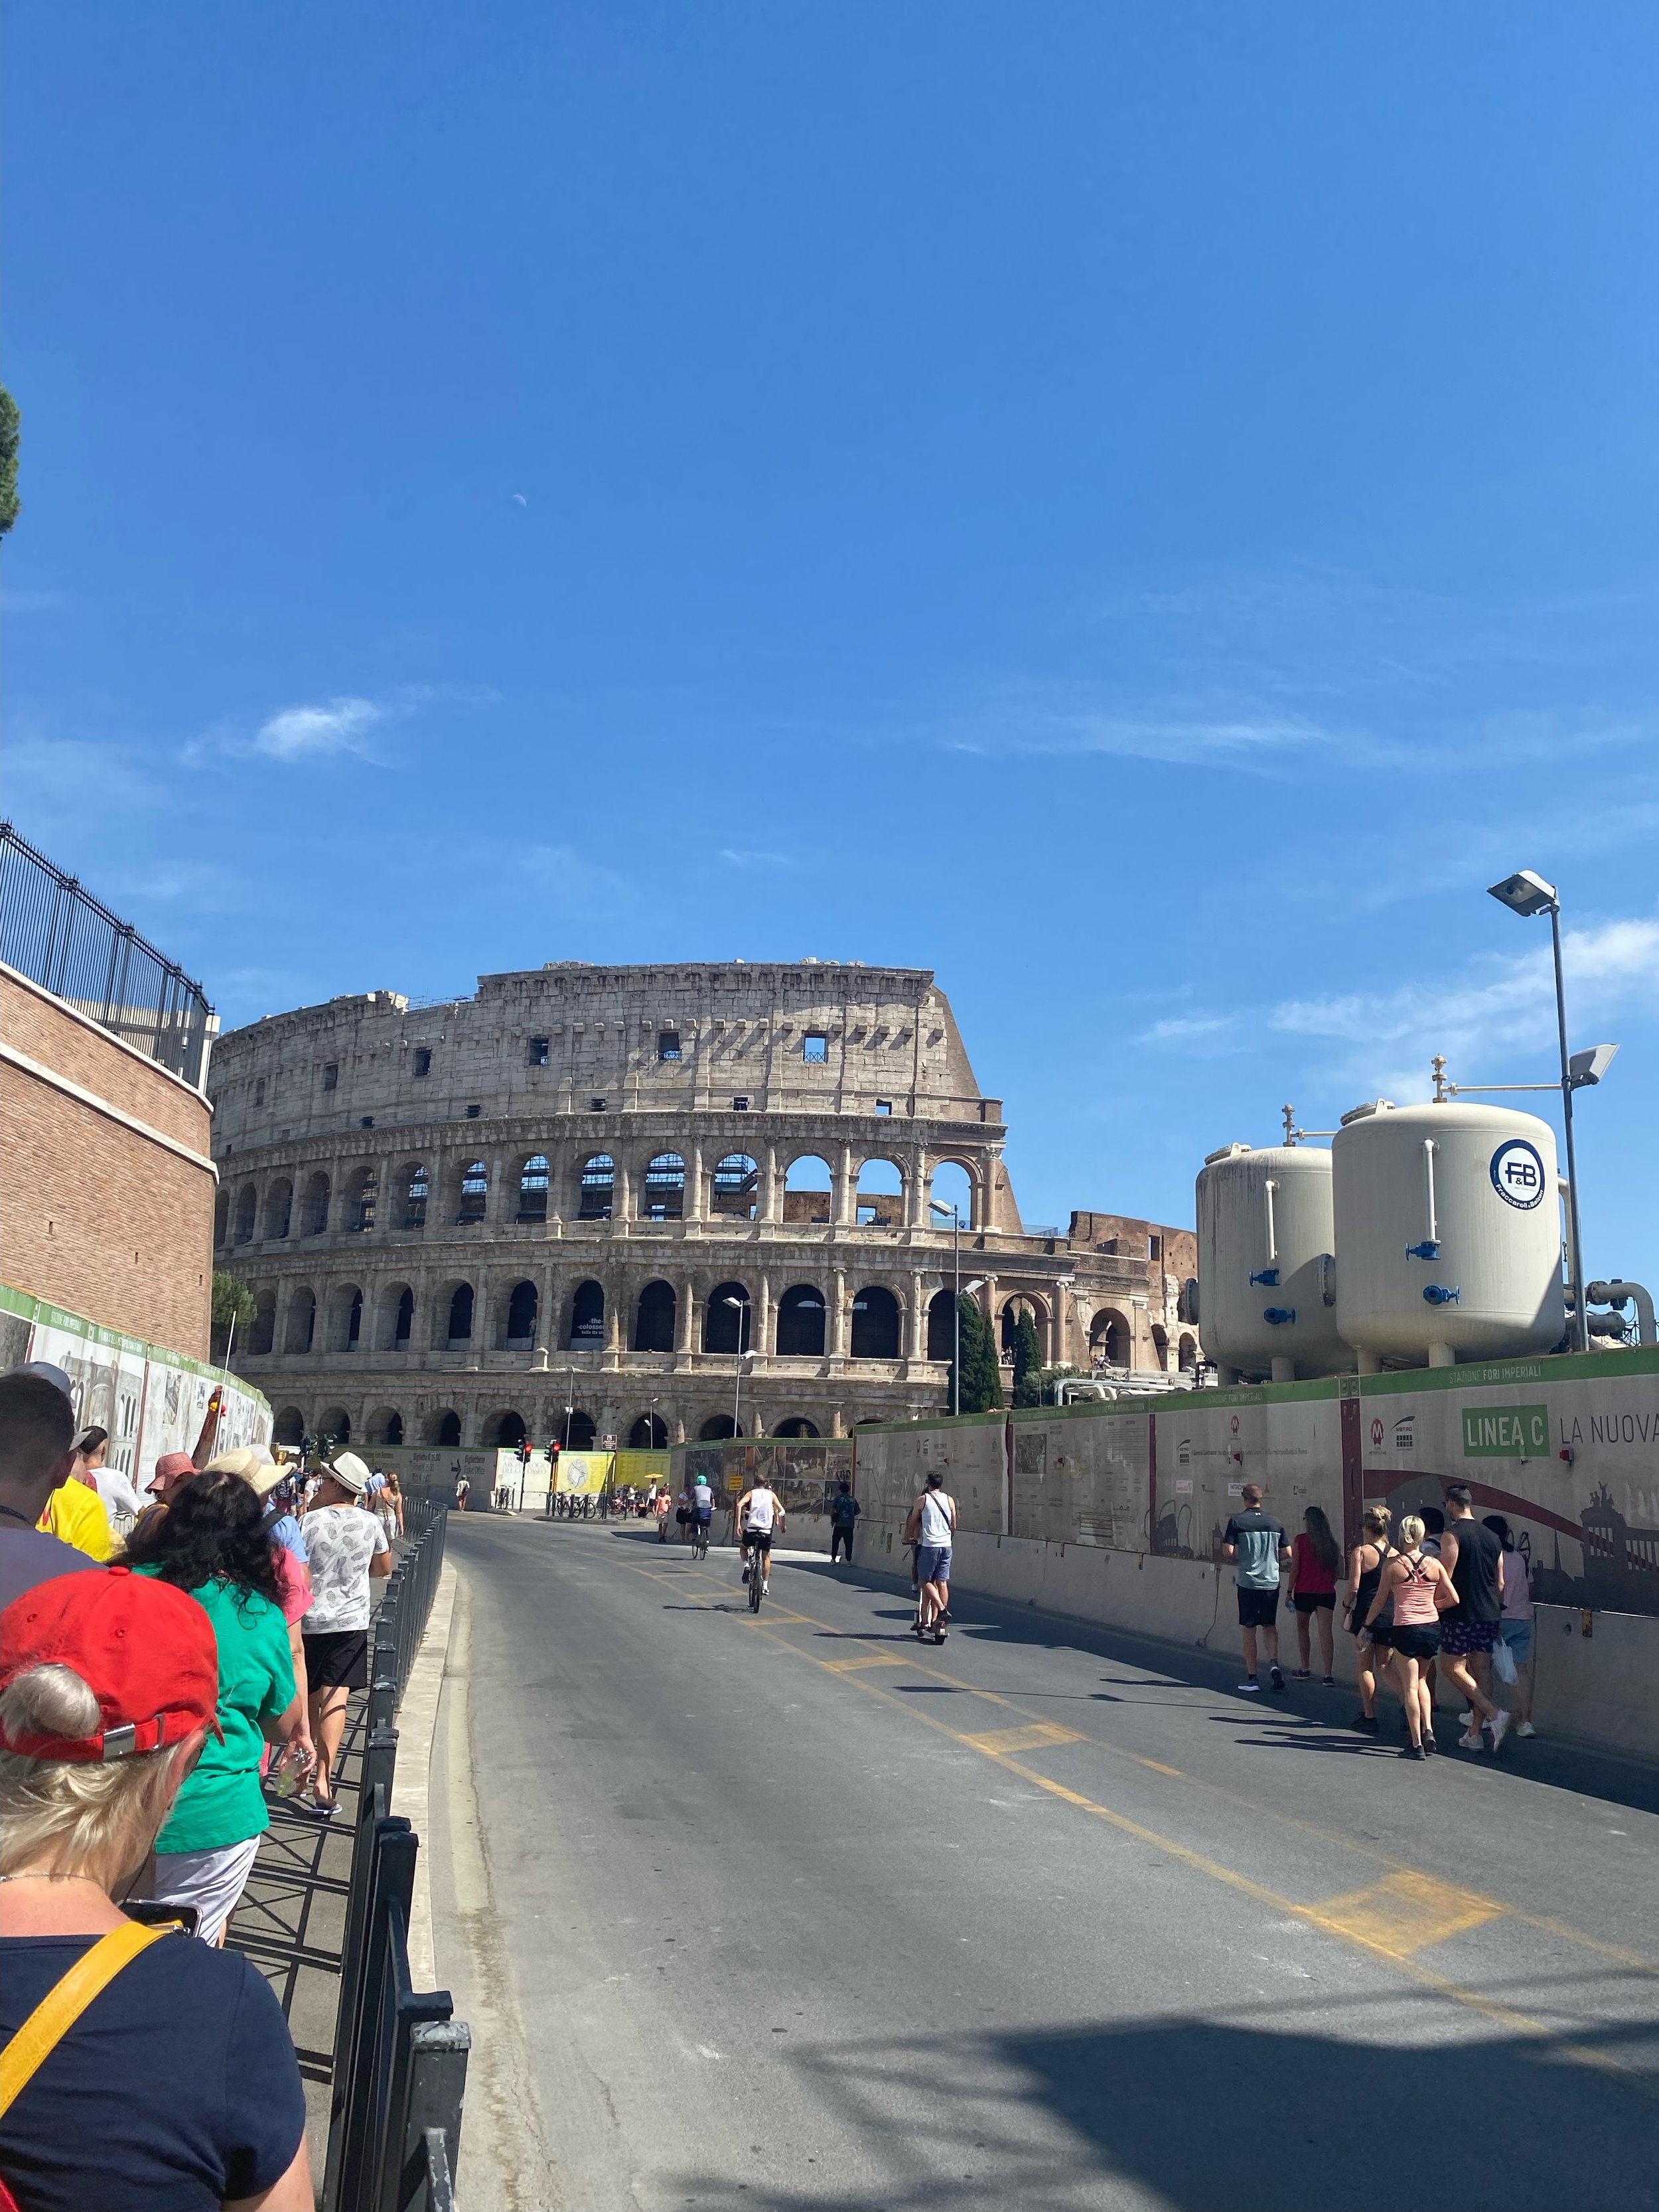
(359, 2028)
(429, 2152)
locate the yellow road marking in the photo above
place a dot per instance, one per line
(856, 1665)
(1024, 1739)
(1404, 1913)
(1638, 1961)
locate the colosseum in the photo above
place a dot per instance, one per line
(647, 1204)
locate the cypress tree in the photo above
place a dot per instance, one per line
(981, 1377)
(1028, 1364)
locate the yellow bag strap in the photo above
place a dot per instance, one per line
(64, 2004)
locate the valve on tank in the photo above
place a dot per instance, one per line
(1425, 1251)
(1278, 1315)
(1269, 1279)
(1437, 1294)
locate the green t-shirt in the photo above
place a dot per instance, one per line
(222, 1802)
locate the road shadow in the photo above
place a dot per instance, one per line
(1192, 2115)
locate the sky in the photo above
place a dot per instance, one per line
(1145, 511)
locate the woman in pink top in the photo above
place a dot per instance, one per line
(1421, 1590)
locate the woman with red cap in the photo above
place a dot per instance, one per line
(139, 2068)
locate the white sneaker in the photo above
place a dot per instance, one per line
(1466, 1720)
(766, 1589)
(1500, 1725)
(1526, 1728)
(1470, 1743)
(1252, 1688)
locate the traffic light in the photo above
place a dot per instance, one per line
(552, 1451)
(523, 1452)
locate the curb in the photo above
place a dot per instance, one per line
(417, 1727)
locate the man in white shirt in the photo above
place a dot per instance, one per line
(760, 1515)
(931, 1527)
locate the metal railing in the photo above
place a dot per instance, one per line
(399, 2071)
(54, 932)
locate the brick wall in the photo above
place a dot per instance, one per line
(95, 1214)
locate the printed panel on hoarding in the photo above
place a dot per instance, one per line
(1291, 1447)
(969, 1457)
(1083, 1480)
(802, 1471)
(1565, 1450)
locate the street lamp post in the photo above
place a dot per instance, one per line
(742, 1306)
(1526, 894)
(956, 1310)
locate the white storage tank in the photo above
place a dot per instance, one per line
(1448, 1234)
(1265, 1290)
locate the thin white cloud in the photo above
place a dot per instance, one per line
(336, 726)
(1034, 727)
(735, 858)
(1495, 1025)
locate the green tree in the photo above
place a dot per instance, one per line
(232, 1299)
(981, 1377)
(1028, 1362)
(9, 422)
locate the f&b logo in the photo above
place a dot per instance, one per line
(1517, 1174)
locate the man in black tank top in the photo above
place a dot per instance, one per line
(1474, 1557)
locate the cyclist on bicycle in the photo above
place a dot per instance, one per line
(703, 1510)
(760, 1517)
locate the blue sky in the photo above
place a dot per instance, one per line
(1145, 510)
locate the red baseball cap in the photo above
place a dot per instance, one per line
(146, 1651)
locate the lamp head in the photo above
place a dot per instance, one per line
(1589, 1066)
(1524, 893)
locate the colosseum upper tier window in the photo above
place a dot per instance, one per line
(532, 1188)
(598, 1186)
(668, 1044)
(474, 1192)
(737, 1179)
(664, 1187)
(815, 1047)
(423, 1061)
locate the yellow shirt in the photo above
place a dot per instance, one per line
(76, 1515)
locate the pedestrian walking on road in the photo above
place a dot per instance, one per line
(932, 1527)
(1316, 1557)
(348, 1548)
(1366, 1565)
(462, 1486)
(1474, 1558)
(1254, 1544)
(1514, 1628)
(213, 1544)
(844, 1510)
(1420, 1591)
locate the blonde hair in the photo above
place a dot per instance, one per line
(73, 1816)
(1414, 1528)
(1378, 1517)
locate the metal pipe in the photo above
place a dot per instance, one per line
(1428, 1171)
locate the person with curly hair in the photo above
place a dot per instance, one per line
(212, 1543)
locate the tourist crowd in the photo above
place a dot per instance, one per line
(164, 1663)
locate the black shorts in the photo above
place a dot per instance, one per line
(1314, 1601)
(1257, 1608)
(1411, 1643)
(336, 1659)
(682, 1517)
(760, 1538)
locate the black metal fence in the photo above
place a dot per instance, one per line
(399, 2069)
(60, 936)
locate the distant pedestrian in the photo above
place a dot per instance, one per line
(121, 1501)
(844, 1510)
(1515, 1627)
(1365, 1563)
(76, 1515)
(1256, 1546)
(37, 1450)
(932, 1527)
(660, 1505)
(348, 1548)
(1474, 1558)
(1316, 1557)
(1419, 1591)
(462, 1486)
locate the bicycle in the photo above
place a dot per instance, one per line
(700, 1540)
(756, 1578)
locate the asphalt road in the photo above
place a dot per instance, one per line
(793, 1912)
